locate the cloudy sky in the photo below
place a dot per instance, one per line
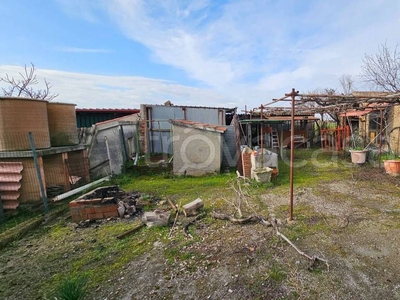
(120, 53)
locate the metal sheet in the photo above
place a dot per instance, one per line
(10, 175)
(10, 204)
(159, 125)
(229, 147)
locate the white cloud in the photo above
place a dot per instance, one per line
(223, 45)
(84, 9)
(250, 51)
(82, 50)
(95, 91)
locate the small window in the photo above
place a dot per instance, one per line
(374, 121)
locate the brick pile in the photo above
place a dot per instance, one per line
(93, 209)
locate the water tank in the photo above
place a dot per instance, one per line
(18, 116)
(62, 124)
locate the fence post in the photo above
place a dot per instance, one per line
(39, 176)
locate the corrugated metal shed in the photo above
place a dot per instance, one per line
(158, 128)
(229, 147)
(10, 176)
(86, 117)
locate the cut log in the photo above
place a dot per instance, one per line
(156, 218)
(191, 208)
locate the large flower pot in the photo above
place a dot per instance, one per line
(358, 156)
(392, 167)
(262, 174)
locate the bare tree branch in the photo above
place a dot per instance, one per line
(383, 69)
(22, 86)
(347, 83)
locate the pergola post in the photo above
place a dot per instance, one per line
(293, 95)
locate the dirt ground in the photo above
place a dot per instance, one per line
(353, 223)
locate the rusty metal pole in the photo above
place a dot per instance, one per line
(293, 94)
(262, 136)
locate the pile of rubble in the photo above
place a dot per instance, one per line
(125, 205)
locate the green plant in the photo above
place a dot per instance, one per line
(276, 273)
(389, 156)
(71, 288)
(356, 142)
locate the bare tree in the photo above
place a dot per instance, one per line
(347, 83)
(22, 86)
(383, 69)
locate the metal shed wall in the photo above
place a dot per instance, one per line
(159, 135)
(229, 147)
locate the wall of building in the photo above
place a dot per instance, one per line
(196, 152)
(112, 144)
(156, 128)
(394, 121)
(229, 147)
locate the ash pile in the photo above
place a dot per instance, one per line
(130, 204)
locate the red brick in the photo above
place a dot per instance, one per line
(93, 201)
(112, 208)
(73, 203)
(95, 216)
(98, 209)
(111, 214)
(90, 210)
(74, 211)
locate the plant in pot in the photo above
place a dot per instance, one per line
(357, 151)
(391, 162)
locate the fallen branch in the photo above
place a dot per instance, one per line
(313, 259)
(186, 227)
(130, 231)
(176, 219)
(173, 205)
(250, 219)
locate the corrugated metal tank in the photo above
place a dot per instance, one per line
(18, 116)
(62, 124)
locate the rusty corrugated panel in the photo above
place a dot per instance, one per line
(10, 175)
(198, 125)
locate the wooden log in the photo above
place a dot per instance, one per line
(156, 218)
(134, 229)
(191, 208)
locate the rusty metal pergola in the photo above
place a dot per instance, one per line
(321, 104)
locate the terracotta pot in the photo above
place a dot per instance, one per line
(274, 174)
(358, 156)
(392, 167)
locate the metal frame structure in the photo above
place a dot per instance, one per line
(326, 103)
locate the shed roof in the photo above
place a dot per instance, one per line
(228, 109)
(198, 125)
(271, 119)
(356, 113)
(109, 110)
